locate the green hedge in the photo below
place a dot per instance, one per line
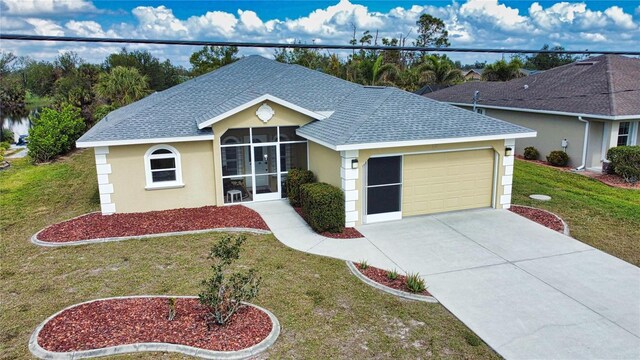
(625, 161)
(558, 158)
(323, 207)
(55, 133)
(295, 179)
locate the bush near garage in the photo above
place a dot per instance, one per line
(295, 179)
(531, 153)
(55, 132)
(558, 158)
(323, 207)
(625, 161)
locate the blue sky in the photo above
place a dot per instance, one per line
(602, 25)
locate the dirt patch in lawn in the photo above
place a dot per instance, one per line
(540, 216)
(96, 225)
(347, 233)
(113, 322)
(380, 276)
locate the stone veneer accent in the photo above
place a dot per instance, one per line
(103, 168)
(349, 177)
(507, 179)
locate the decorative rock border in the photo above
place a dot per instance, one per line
(34, 238)
(402, 294)
(564, 224)
(249, 352)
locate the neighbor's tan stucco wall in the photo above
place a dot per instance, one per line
(551, 130)
(129, 181)
(247, 118)
(325, 164)
(364, 155)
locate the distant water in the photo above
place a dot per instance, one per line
(20, 125)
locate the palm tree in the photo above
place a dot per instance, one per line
(384, 74)
(502, 70)
(122, 86)
(439, 71)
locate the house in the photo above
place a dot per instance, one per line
(231, 135)
(584, 108)
(473, 75)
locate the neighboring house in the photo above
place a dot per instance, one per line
(593, 104)
(476, 74)
(231, 135)
(431, 88)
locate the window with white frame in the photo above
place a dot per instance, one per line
(162, 167)
(623, 133)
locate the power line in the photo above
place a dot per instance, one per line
(303, 46)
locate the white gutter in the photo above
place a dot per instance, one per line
(585, 143)
(550, 112)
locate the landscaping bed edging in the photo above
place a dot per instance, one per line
(565, 230)
(402, 294)
(36, 241)
(249, 352)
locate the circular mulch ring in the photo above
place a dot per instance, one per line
(542, 217)
(139, 323)
(378, 279)
(95, 227)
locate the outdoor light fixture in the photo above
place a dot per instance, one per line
(508, 151)
(354, 163)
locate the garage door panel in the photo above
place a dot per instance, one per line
(447, 181)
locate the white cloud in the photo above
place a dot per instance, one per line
(493, 13)
(620, 18)
(43, 7)
(159, 22)
(213, 23)
(88, 29)
(45, 27)
(595, 37)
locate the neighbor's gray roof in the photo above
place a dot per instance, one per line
(606, 85)
(360, 114)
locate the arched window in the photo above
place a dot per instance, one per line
(163, 167)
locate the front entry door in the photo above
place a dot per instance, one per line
(266, 185)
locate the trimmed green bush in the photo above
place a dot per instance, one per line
(295, 179)
(625, 161)
(323, 207)
(558, 158)
(531, 153)
(55, 133)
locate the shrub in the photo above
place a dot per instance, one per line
(54, 133)
(625, 161)
(171, 302)
(5, 145)
(415, 283)
(558, 158)
(364, 265)
(225, 290)
(1, 155)
(323, 207)
(392, 275)
(7, 136)
(531, 153)
(295, 179)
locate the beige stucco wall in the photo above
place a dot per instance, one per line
(364, 155)
(325, 164)
(247, 118)
(594, 148)
(128, 178)
(551, 130)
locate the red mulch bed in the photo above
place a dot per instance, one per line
(96, 225)
(542, 217)
(544, 163)
(380, 276)
(347, 233)
(611, 180)
(114, 322)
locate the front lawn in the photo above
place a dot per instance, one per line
(604, 217)
(325, 311)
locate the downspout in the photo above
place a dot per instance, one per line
(586, 142)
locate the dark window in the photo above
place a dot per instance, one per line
(383, 199)
(384, 176)
(623, 133)
(384, 170)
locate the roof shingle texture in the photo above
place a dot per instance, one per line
(360, 114)
(604, 85)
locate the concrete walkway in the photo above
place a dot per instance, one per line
(529, 292)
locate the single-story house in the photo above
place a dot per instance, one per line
(230, 136)
(584, 108)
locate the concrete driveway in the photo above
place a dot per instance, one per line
(529, 292)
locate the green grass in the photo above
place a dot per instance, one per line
(604, 217)
(325, 312)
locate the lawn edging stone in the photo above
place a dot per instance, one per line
(402, 294)
(565, 230)
(249, 352)
(34, 238)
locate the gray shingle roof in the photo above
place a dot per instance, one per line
(360, 114)
(604, 85)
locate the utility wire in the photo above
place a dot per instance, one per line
(303, 46)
